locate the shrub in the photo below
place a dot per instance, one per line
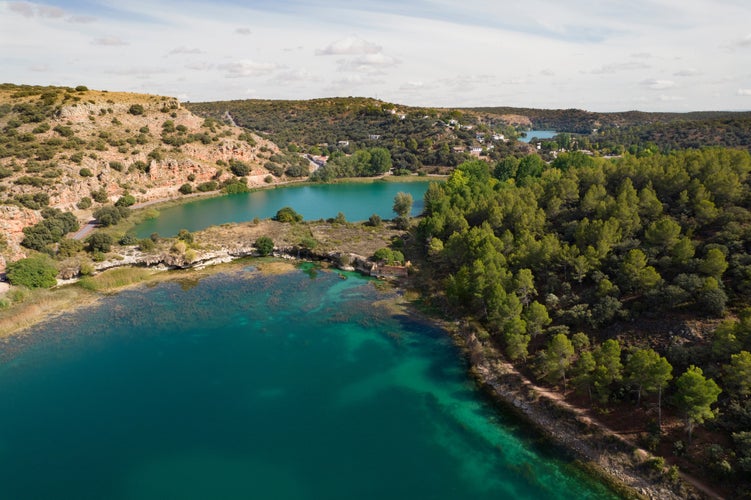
(207, 186)
(287, 214)
(128, 239)
(374, 220)
(32, 272)
(69, 247)
(107, 216)
(85, 172)
(100, 196)
(141, 166)
(186, 188)
(402, 222)
(265, 245)
(126, 200)
(55, 225)
(236, 186)
(84, 203)
(274, 168)
(384, 255)
(309, 243)
(64, 131)
(191, 177)
(146, 244)
(156, 155)
(99, 242)
(34, 201)
(185, 236)
(297, 170)
(116, 165)
(136, 109)
(239, 168)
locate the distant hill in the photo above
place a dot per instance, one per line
(416, 137)
(364, 122)
(77, 149)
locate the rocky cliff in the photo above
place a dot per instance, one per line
(78, 149)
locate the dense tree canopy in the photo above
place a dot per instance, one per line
(581, 245)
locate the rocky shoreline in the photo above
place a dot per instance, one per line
(620, 463)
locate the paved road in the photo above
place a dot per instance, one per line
(85, 230)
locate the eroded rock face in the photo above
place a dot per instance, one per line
(12, 221)
(118, 151)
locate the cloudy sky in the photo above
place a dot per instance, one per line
(599, 55)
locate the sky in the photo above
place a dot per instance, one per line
(597, 55)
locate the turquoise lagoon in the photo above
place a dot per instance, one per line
(357, 201)
(243, 385)
(540, 134)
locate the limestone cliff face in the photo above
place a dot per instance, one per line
(71, 143)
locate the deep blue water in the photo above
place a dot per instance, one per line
(357, 201)
(241, 385)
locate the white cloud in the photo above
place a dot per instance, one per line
(412, 86)
(350, 46)
(655, 44)
(247, 68)
(200, 66)
(185, 50)
(687, 72)
(24, 8)
(50, 12)
(109, 41)
(744, 92)
(294, 76)
(743, 42)
(654, 84)
(30, 9)
(139, 71)
(82, 19)
(368, 63)
(671, 98)
(613, 68)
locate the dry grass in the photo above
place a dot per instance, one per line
(350, 238)
(115, 279)
(39, 305)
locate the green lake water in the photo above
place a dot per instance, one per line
(357, 201)
(249, 386)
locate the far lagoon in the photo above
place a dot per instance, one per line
(357, 201)
(540, 134)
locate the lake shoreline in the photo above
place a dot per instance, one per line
(596, 450)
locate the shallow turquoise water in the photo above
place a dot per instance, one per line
(357, 201)
(248, 386)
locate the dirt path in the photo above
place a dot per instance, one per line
(585, 416)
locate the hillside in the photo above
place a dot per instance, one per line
(78, 149)
(417, 138)
(427, 137)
